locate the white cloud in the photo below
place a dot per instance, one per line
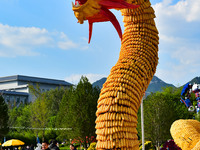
(24, 41)
(75, 78)
(178, 74)
(66, 44)
(188, 56)
(179, 48)
(171, 76)
(184, 9)
(17, 41)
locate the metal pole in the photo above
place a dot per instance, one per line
(142, 124)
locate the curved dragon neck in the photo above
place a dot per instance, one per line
(124, 88)
(140, 40)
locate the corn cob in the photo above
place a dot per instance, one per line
(186, 134)
(124, 88)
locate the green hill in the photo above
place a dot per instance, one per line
(100, 82)
(155, 85)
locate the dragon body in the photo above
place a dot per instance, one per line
(124, 88)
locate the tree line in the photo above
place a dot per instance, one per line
(161, 109)
(74, 108)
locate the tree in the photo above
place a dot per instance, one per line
(54, 97)
(40, 114)
(3, 118)
(20, 117)
(62, 119)
(79, 106)
(161, 109)
(159, 112)
(44, 110)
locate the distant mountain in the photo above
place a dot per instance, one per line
(195, 80)
(99, 83)
(155, 85)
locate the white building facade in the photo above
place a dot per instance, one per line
(16, 88)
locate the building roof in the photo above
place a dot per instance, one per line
(34, 79)
(13, 93)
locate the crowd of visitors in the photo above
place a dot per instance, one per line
(51, 146)
(54, 145)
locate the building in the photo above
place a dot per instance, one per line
(16, 89)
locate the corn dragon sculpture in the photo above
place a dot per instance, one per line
(124, 88)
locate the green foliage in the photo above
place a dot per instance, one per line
(40, 114)
(62, 119)
(79, 106)
(197, 116)
(60, 108)
(26, 136)
(161, 109)
(35, 90)
(3, 118)
(76, 107)
(20, 117)
(44, 111)
(23, 118)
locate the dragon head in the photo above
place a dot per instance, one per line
(98, 11)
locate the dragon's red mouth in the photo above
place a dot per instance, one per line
(98, 11)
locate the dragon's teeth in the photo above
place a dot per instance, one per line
(76, 4)
(73, 4)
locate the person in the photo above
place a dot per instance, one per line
(72, 147)
(53, 145)
(45, 145)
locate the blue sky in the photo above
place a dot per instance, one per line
(42, 38)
